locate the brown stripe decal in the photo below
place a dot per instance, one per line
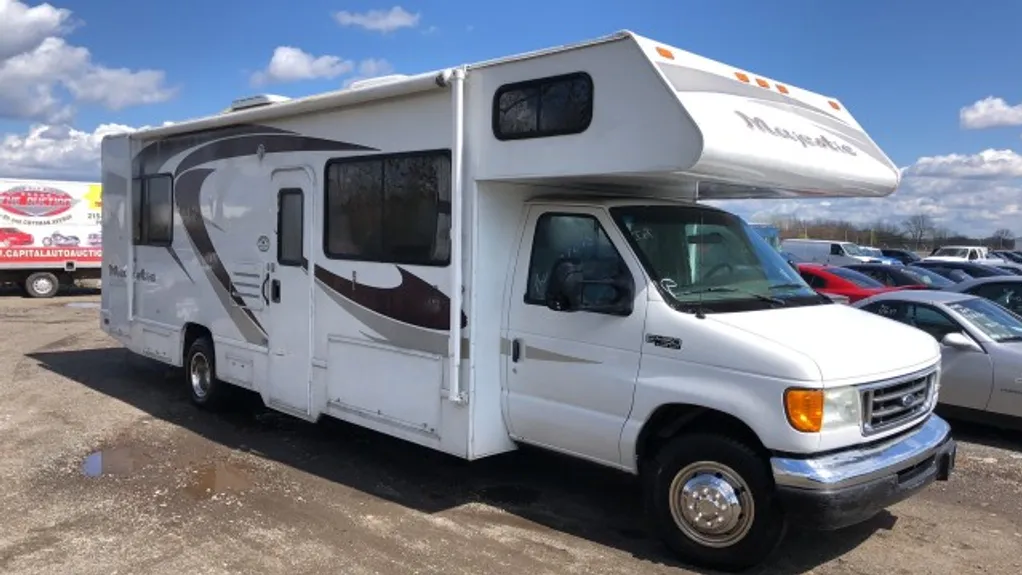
(412, 301)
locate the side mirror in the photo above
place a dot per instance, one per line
(960, 341)
(567, 290)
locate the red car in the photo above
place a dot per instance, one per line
(15, 237)
(836, 280)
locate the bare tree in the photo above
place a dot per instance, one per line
(917, 227)
(1004, 236)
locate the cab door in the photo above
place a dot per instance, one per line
(571, 375)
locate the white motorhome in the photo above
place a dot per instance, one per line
(512, 252)
(50, 234)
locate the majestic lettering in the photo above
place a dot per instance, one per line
(821, 141)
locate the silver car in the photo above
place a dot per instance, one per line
(980, 341)
(1005, 291)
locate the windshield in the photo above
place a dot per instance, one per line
(872, 252)
(989, 318)
(927, 277)
(952, 252)
(710, 260)
(853, 250)
(858, 278)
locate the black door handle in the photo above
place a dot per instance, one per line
(516, 350)
(275, 291)
(266, 281)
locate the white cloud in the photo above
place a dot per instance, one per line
(371, 68)
(379, 20)
(972, 194)
(36, 62)
(990, 112)
(54, 151)
(290, 64)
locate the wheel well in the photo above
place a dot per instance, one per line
(671, 420)
(193, 331)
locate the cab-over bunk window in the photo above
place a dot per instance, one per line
(152, 203)
(393, 208)
(544, 107)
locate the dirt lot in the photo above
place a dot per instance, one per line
(107, 468)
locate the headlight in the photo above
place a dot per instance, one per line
(815, 410)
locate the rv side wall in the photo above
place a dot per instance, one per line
(116, 180)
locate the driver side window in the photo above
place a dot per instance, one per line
(932, 321)
(577, 236)
(836, 250)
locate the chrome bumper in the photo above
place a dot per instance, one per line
(859, 466)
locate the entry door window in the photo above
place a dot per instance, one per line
(290, 227)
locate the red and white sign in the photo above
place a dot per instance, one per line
(45, 222)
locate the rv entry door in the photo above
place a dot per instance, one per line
(287, 289)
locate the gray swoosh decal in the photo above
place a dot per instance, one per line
(152, 156)
(187, 191)
(180, 264)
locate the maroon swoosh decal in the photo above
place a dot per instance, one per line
(413, 301)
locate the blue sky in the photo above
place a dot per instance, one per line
(904, 69)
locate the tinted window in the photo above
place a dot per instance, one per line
(859, 279)
(392, 209)
(932, 321)
(290, 228)
(573, 236)
(1008, 295)
(813, 280)
(153, 210)
(554, 106)
(928, 277)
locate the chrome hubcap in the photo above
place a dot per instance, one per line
(42, 285)
(711, 504)
(200, 375)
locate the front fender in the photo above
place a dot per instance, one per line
(755, 400)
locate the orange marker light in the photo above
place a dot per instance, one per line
(834, 105)
(664, 52)
(762, 83)
(782, 88)
(804, 408)
(742, 77)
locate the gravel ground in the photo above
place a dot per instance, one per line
(107, 468)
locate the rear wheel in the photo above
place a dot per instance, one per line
(711, 500)
(41, 284)
(200, 374)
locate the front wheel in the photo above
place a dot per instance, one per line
(711, 500)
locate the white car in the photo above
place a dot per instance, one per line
(981, 347)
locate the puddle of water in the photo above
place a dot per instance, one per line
(83, 304)
(114, 461)
(217, 478)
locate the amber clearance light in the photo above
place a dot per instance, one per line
(804, 408)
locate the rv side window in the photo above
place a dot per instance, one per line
(290, 227)
(577, 236)
(392, 209)
(553, 106)
(153, 210)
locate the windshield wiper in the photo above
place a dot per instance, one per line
(786, 286)
(726, 289)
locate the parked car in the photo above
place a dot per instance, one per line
(827, 252)
(878, 255)
(980, 342)
(1004, 291)
(841, 281)
(978, 254)
(972, 270)
(15, 237)
(1008, 255)
(902, 276)
(906, 257)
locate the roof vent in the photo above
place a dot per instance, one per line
(369, 82)
(256, 101)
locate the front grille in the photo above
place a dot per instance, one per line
(893, 403)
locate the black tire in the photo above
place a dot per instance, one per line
(42, 285)
(209, 392)
(768, 524)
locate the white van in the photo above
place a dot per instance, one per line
(513, 252)
(830, 252)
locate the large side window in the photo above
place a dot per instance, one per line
(393, 209)
(932, 321)
(573, 236)
(544, 107)
(152, 203)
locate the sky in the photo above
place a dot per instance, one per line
(937, 87)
